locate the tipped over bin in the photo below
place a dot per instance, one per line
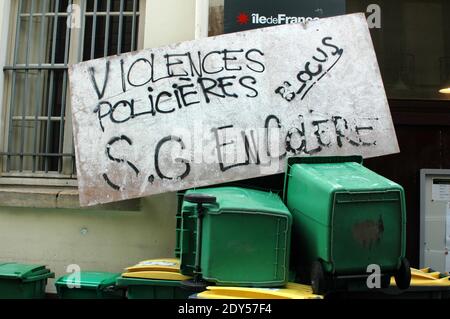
(345, 218)
(239, 237)
(425, 284)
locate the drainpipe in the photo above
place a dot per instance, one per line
(201, 18)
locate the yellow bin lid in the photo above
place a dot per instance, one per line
(290, 291)
(159, 269)
(165, 264)
(426, 278)
(158, 275)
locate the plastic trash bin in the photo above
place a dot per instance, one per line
(425, 284)
(345, 218)
(91, 285)
(245, 237)
(155, 279)
(290, 291)
(22, 281)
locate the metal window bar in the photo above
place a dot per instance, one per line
(13, 86)
(108, 21)
(133, 26)
(52, 87)
(63, 99)
(38, 101)
(27, 57)
(47, 142)
(87, 14)
(94, 29)
(39, 66)
(119, 40)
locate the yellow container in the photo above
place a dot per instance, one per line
(427, 278)
(291, 291)
(162, 269)
(165, 264)
(154, 279)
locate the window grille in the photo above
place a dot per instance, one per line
(50, 35)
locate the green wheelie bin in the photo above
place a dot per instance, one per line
(23, 281)
(155, 279)
(233, 236)
(89, 285)
(345, 219)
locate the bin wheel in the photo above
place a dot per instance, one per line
(318, 279)
(403, 275)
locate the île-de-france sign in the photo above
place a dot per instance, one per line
(227, 108)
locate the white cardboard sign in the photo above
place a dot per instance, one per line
(227, 108)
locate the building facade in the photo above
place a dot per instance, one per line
(40, 218)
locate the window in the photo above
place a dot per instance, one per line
(48, 36)
(412, 46)
(412, 43)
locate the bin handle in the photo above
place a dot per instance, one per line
(186, 232)
(112, 289)
(40, 277)
(185, 239)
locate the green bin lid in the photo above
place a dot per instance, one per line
(344, 173)
(23, 271)
(240, 199)
(90, 279)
